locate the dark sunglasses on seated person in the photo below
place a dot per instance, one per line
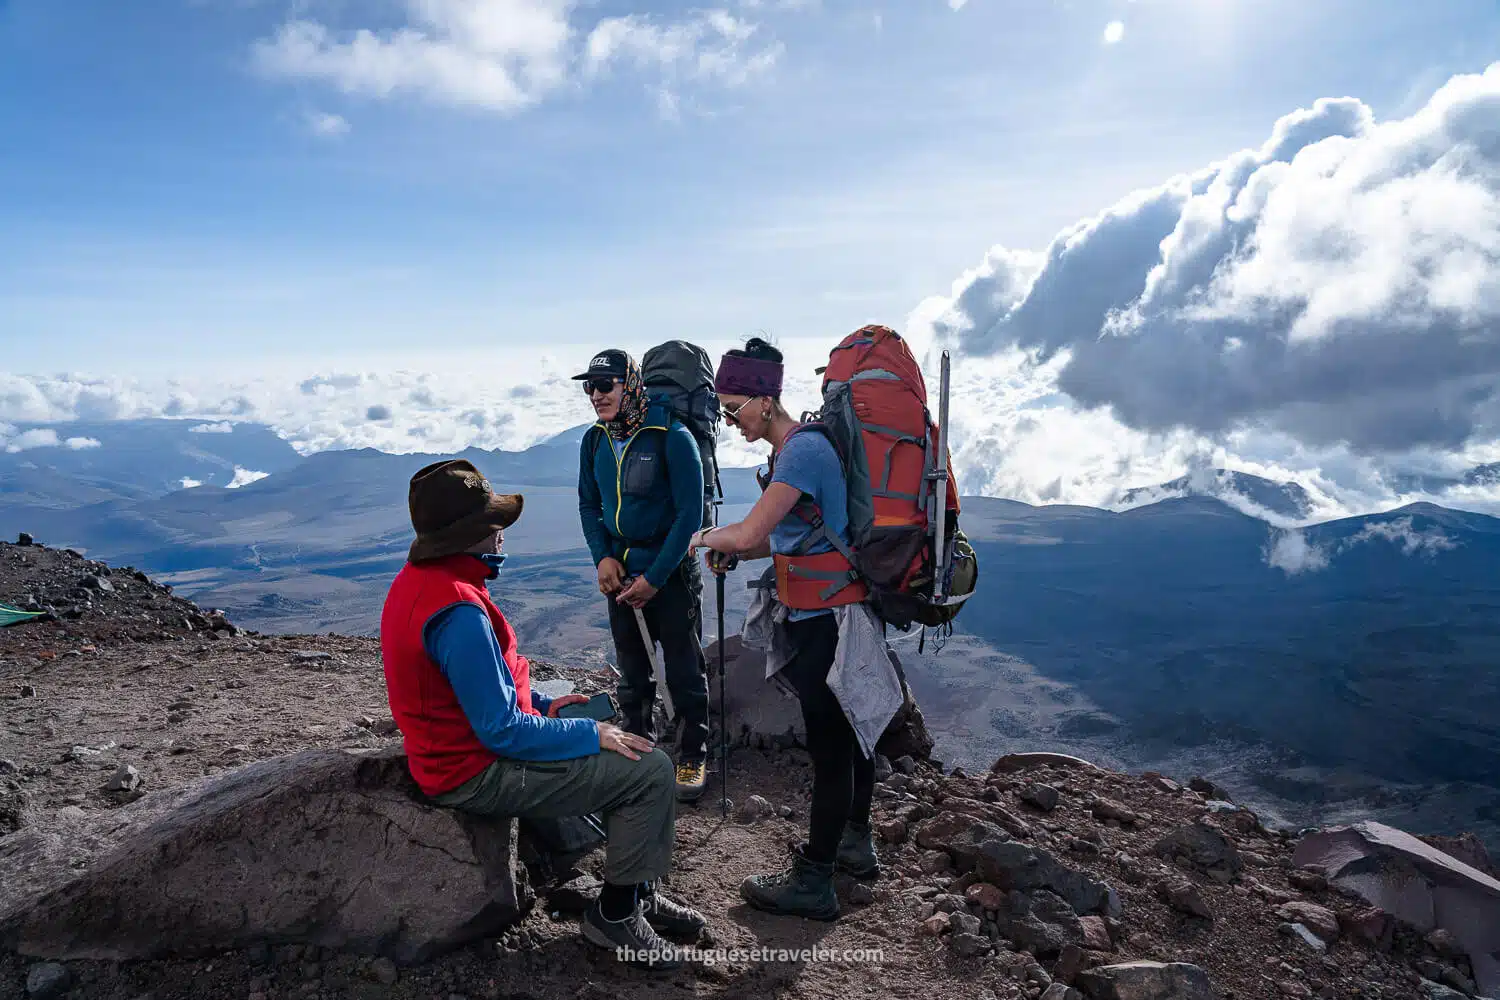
(604, 385)
(732, 417)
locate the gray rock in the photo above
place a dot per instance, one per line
(1011, 864)
(48, 979)
(1044, 797)
(761, 713)
(1184, 897)
(966, 945)
(574, 896)
(98, 583)
(1060, 991)
(331, 847)
(861, 894)
(755, 807)
(24, 540)
(1204, 847)
(883, 769)
(905, 765)
(1041, 922)
(125, 779)
(1437, 991)
(1305, 936)
(310, 656)
(965, 923)
(383, 971)
(1146, 981)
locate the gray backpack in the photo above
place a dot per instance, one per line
(680, 375)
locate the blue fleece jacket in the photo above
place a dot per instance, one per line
(461, 642)
(642, 504)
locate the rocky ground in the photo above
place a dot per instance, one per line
(1039, 878)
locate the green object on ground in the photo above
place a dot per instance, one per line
(15, 616)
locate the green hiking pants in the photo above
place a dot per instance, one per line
(637, 798)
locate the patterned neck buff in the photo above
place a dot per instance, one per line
(633, 405)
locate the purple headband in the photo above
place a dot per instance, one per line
(742, 376)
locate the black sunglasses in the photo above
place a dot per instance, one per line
(604, 385)
(732, 417)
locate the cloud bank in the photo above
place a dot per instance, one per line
(1339, 284)
(1324, 308)
(506, 56)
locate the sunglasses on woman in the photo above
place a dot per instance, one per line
(732, 417)
(602, 385)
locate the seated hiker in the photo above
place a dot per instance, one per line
(477, 739)
(640, 498)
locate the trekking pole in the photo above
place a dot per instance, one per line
(723, 716)
(940, 473)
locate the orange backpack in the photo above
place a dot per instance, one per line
(875, 416)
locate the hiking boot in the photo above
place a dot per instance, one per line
(632, 940)
(857, 853)
(804, 889)
(670, 917)
(692, 775)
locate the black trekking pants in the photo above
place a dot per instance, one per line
(843, 777)
(674, 618)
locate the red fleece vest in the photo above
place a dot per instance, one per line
(441, 748)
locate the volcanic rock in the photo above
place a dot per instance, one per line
(331, 847)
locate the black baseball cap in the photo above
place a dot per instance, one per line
(606, 364)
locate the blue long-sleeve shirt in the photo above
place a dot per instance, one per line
(461, 642)
(642, 516)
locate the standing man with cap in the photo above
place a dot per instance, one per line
(477, 739)
(640, 498)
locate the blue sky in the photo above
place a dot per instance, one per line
(177, 196)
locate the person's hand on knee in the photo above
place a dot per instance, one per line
(625, 744)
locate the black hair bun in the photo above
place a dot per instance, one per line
(761, 350)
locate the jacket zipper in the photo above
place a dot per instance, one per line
(619, 477)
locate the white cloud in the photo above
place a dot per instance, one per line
(321, 123)
(508, 55)
(223, 427)
(244, 477)
(81, 443)
(1291, 552)
(37, 437)
(1400, 532)
(189, 483)
(1340, 283)
(1113, 32)
(956, 4)
(1324, 308)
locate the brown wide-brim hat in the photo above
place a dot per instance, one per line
(453, 509)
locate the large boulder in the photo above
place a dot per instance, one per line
(981, 847)
(1147, 981)
(1416, 883)
(762, 713)
(327, 847)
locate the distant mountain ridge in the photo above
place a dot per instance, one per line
(1363, 646)
(1287, 500)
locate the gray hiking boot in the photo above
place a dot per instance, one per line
(857, 853)
(670, 917)
(805, 889)
(632, 940)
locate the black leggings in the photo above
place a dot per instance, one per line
(843, 777)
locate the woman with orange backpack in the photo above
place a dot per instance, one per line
(803, 511)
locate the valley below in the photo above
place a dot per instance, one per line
(1174, 636)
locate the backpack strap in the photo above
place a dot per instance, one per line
(807, 508)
